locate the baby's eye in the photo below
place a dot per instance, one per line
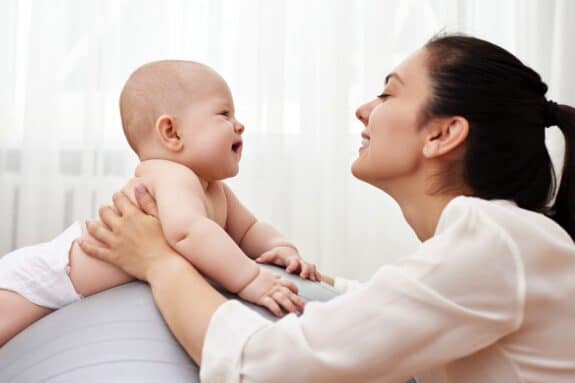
(225, 113)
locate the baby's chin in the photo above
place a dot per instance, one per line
(231, 173)
(235, 173)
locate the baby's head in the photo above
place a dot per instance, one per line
(182, 111)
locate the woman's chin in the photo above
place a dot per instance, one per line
(356, 170)
(359, 171)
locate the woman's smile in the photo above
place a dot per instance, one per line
(364, 141)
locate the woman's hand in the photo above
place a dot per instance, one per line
(133, 238)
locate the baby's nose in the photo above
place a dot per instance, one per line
(239, 127)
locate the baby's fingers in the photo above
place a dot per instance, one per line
(308, 271)
(293, 265)
(271, 304)
(289, 301)
(289, 285)
(316, 274)
(267, 257)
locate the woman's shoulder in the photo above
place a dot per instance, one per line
(505, 217)
(474, 213)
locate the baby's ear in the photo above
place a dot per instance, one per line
(168, 133)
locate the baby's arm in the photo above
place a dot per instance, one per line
(263, 242)
(206, 245)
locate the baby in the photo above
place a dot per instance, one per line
(178, 116)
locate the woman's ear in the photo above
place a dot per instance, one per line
(168, 134)
(444, 136)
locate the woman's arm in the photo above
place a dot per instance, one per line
(187, 302)
(410, 317)
(136, 244)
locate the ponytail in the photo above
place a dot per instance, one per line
(563, 210)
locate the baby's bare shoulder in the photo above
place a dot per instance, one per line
(166, 174)
(163, 166)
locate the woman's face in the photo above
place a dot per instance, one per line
(393, 137)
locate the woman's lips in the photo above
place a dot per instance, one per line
(364, 141)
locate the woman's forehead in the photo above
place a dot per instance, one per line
(411, 71)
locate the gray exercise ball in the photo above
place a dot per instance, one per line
(115, 336)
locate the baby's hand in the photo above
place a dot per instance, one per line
(273, 292)
(289, 258)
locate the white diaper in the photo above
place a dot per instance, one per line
(40, 272)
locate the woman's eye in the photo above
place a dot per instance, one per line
(383, 96)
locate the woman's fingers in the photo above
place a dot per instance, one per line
(110, 216)
(101, 253)
(145, 200)
(100, 232)
(123, 204)
(116, 211)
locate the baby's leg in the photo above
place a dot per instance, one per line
(90, 275)
(17, 313)
(34, 280)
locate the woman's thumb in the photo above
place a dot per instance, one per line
(145, 200)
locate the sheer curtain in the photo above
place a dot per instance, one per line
(297, 69)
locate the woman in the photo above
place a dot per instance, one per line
(457, 139)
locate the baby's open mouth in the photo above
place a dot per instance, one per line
(236, 147)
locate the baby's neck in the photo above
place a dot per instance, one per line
(205, 184)
(146, 154)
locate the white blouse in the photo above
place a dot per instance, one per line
(489, 298)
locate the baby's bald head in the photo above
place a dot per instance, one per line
(156, 89)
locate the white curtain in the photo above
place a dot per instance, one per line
(297, 69)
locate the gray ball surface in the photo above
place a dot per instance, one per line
(115, 336)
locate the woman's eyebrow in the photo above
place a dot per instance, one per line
(396, 76)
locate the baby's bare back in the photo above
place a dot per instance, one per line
(90, 275)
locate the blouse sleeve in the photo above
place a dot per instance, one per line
(462, 291)
(345, 285)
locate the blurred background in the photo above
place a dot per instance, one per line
(297, 69)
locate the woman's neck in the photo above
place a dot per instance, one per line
(421, 201)
(422, 212)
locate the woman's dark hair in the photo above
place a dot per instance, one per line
(505, 105)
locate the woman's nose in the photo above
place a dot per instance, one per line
(362, 113)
